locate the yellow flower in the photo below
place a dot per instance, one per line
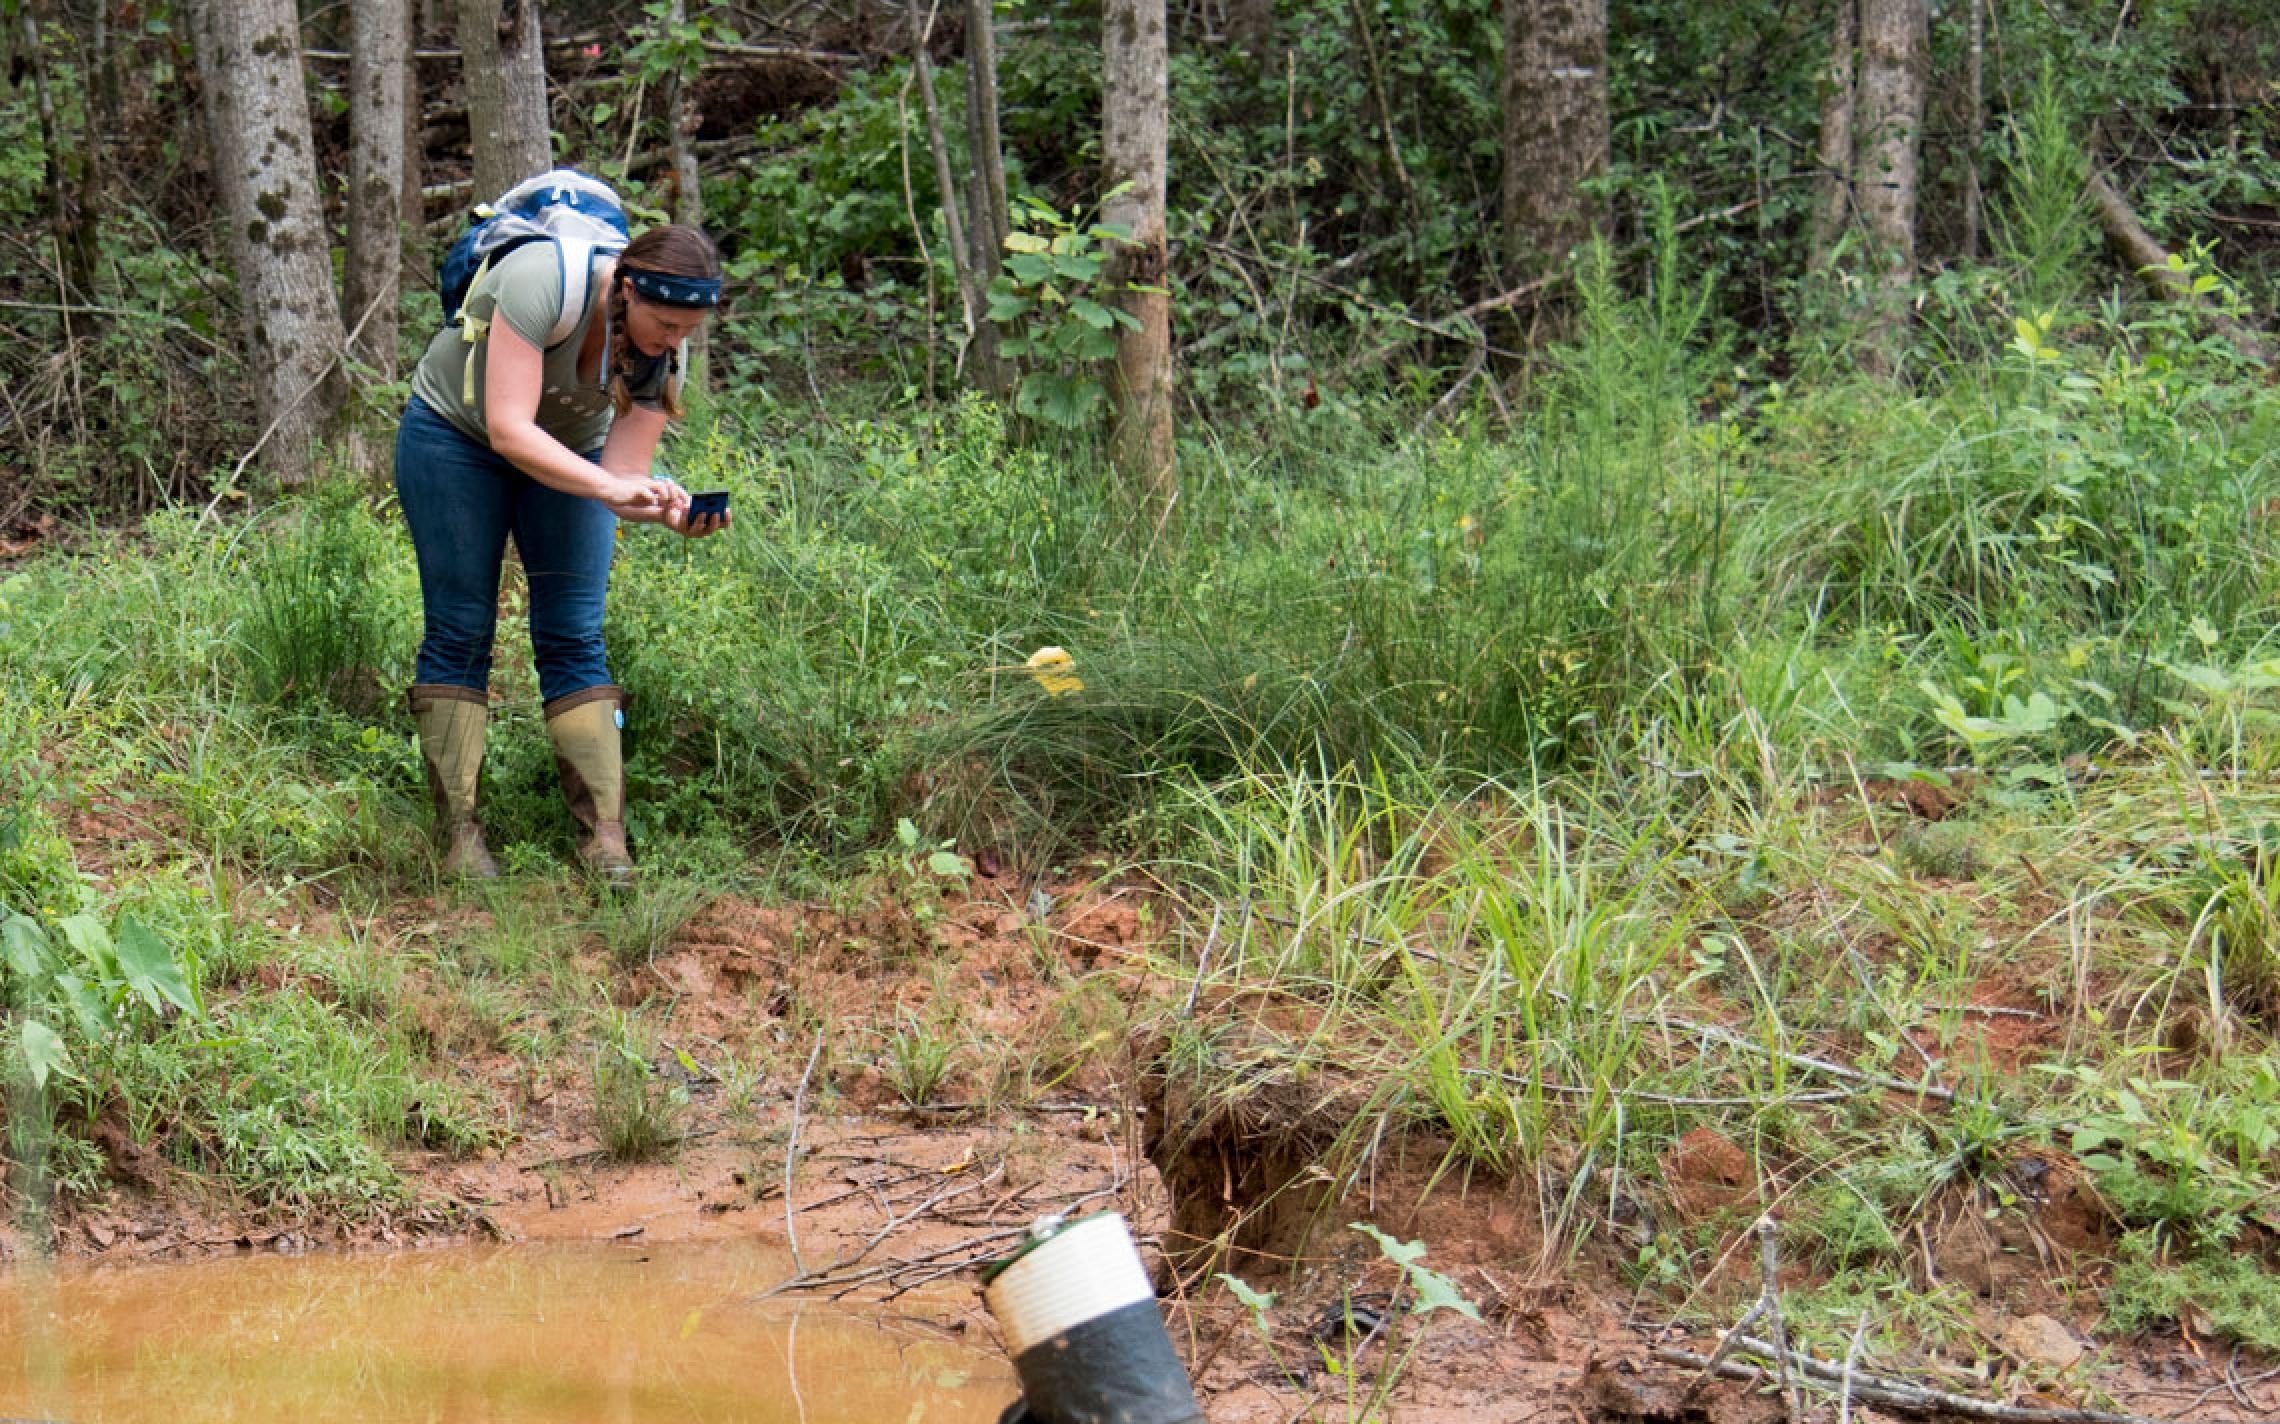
(1052, 667)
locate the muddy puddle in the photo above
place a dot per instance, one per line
(499, 1335)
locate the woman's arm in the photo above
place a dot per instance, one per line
(633, 441)
(630, 449)
(514, 373)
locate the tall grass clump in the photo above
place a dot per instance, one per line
(1497, 969)
(2096, 494)
(321, 624)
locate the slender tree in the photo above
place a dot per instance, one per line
(378, 55)
(681, 120)
(32, 56)
(503, 59)
(1832, 185)
(1974, 123)
(265, 168)
(413, 208)
(1895, 63)
(1555, 127)
(988, 219)
(1135, 134)
(970, 301)
(1251, 27)
(97, 61)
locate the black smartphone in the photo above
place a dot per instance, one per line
(704, 502)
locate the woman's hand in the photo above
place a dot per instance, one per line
(680, 523)
(639, 499)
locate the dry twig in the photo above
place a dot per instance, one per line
(1894, 1393)
(792, 1147)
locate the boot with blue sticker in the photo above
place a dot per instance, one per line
(585, 728)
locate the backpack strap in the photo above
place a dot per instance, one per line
(574, 265)
(575, 259)
(472, 330)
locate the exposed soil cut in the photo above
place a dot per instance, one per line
(896, 1204)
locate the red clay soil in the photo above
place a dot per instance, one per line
(890, 1206)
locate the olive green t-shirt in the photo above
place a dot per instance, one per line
(525, 291)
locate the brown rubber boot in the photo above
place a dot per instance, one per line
(584, 727)
(452, 723)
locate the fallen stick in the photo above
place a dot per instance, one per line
(924, 1264)
(1898, 1393)
(1769, 1270)
(791, 1151)
(603, 1154)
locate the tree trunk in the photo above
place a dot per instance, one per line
(378, 50)
(681, 120)
(265, 170)
(412, 208)
(1555, 127)
(504, 64)
(87, 219)
(1135, 132)
(1832, 186)
(33, 37)
(970, 301)
(1894, 70)
(1251, 28)
(988, 219)
(1974, 125)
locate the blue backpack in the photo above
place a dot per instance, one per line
(580, 215)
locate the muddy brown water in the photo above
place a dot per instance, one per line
(500, 1335)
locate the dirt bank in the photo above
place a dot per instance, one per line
(1040, 999)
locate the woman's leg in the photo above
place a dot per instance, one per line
(458, 500)
(457, 503)
(566, 544)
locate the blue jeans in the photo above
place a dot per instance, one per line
(462, 503)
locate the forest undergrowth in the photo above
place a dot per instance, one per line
(1874, 790)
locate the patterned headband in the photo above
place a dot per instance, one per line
(672, 291)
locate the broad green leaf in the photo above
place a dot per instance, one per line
(86, 935)
(1092, 313)
(44, 1053)
(949, 865)
(1009, 306)
(1256, 1301)
(23, 946)
(1057, 400)
(87, 1005)
(1401, 1253)
(1437, 1292)
(1026, 242)
(151, 969)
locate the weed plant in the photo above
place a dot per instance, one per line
(637, 1114)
